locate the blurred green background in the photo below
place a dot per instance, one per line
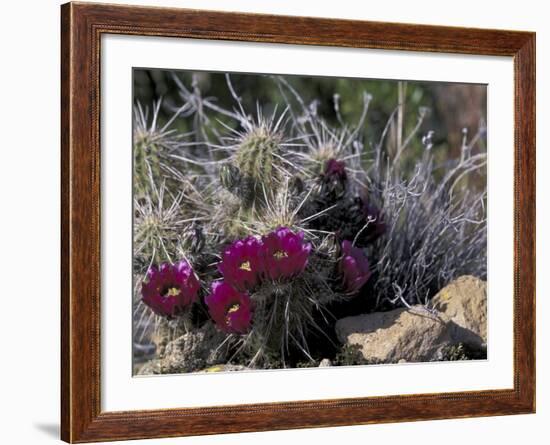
(453, 106)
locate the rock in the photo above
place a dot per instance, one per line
(465, 302)
(225, 368)
(150, 368)
(194, 350)
(189, 352)
(165, 332)
(325, 363)
(413, 335)
(418, 335)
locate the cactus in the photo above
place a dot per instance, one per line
(282, 221)
(146, 165)
(153, 146)
(256, 167)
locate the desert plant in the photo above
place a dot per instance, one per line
(283, 217)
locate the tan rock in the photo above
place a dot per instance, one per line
(150, 368)
(224, 368)
(416, 335)
(193, 350)
(413, 335)
(189, 352)
(165, 332)
(465, 302)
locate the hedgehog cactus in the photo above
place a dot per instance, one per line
(146, 164)
(152, 146)
(277, 223)
(257, 165)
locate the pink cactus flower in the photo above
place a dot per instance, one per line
(376, 226)
(230, 309)
(354, 267)
(170, 289)
(241, 263)
(285, 253)
(335, 170)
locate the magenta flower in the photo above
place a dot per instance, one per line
(285, 254)
(241, 263)
(170, 289)
(335, 170)
(354, 267)
(376, 226)
(230, 309)
(333, 179)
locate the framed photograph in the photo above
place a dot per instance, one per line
(275, 222)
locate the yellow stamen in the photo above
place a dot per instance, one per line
(172, 292)
(280, 254)
(246, 266)
(233, 308)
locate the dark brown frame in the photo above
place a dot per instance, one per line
(81, 27)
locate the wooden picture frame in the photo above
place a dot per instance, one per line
(82, 26)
